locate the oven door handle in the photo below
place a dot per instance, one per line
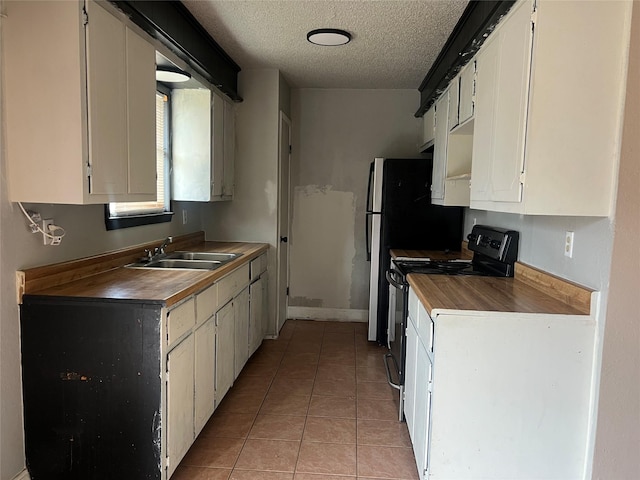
(386, 367)
(391, 275)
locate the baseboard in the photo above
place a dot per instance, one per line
(332, 314)
(23, 475)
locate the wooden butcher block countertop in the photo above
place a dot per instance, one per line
(529, 291)
(105, 277)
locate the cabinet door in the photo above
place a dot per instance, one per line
(180, 400)
(256, 314)
(467, 91)
(484, 121)
(224, 351)
(241, 326)
(429, 126)
(204, 375)
(440, 147)
(107, 102)
(217, 147)
(511, 105)
(141, 114)
(229, 149)
(410, 379)
(454, 102)
(191, 144)
(422, 409)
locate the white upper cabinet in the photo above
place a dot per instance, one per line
(89, 136)
(428, 127)
(467, 92)
(503, 85)
(549, 98)
(454, 102)
(203, 145)
(440, 148)
(452, 152)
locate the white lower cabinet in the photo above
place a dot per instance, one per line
(241, 323)
(417, 396)
(257, 312)
(209, 338)
(180, 402)
(224, 351)
(410, 378)
(508, 395)
(205, 371)
(422, 409)
(258, 302)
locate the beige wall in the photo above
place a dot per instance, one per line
(617, 450)
(336, 135)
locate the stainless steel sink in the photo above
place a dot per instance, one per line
(210, 256)
(188, 261)
(178, 263)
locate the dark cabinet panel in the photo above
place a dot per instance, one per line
(92, 389)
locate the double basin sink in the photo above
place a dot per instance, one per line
(188, 260)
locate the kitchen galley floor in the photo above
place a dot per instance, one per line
(312, 405)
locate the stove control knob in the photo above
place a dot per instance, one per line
(495, 244)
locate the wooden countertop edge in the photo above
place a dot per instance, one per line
(531, 291)
(40, 279)
(570, 293)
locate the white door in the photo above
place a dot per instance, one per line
(256, 314)
(282, 282)
(241, 326)
(484, 121)
(179, 402)
(205, 371)
(224, 351)
(440, 147)
(511, 106)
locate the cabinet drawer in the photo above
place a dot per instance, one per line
(206, 303)
(425, 328)
(257, 266)
(232, 284)
(180, 320)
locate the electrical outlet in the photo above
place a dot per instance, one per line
(184, 216)
(568, 244)
(45, 228)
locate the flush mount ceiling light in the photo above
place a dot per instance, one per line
(329, 37)
(171, 75)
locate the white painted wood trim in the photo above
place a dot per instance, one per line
(23, 475)
(333, 314)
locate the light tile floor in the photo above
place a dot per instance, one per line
(312, 405)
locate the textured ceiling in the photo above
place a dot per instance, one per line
(394, 42)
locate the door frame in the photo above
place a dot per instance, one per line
(281, 316)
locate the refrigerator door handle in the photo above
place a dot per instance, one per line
(369, 185)
(367, 233)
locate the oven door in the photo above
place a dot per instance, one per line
(398, 310)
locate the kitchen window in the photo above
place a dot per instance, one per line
(131, 214)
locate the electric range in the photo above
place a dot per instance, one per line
(495, 251)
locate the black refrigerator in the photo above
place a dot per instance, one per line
(400, 215)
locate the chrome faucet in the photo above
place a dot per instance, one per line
(160, 250)
(152, 254)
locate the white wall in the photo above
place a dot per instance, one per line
(336, 135)
(618, 435)
(252, 215)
